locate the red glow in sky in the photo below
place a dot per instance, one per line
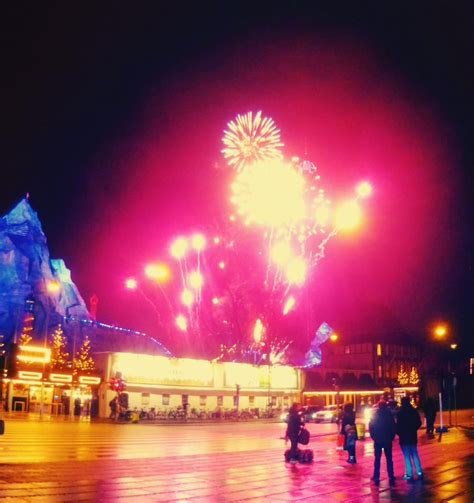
(354, 118)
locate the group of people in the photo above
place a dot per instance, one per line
(384, 426)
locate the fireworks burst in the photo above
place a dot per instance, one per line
(239, 284)
(270, 194)
(249, 139)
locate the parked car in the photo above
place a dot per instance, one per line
(328, 413)
(302, 413)
(309, 413)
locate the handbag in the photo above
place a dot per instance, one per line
(2, 426)
(303, 436)
(341, 439)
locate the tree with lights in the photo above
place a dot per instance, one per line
(84, 361)
(25, 336)
(28, 322)
(414, 378)
(402, 377)
(59, 355)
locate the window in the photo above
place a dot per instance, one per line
(347, 350)
(165, 400)
(220, 401)
(379, 371)
(251, 401)
(379, 349)
(184, 399)
(274, 401)
(202, 400)
(286, 400)
(145, 399)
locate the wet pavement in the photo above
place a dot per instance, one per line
(51, 461)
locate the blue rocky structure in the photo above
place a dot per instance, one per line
(25, 272)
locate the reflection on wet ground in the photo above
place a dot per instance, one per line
(79, 461)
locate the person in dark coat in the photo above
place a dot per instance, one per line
(348, 429)
(430, 415)
(293, 430)
(408, 424)
(382, 431)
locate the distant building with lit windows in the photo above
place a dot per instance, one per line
(362, 372)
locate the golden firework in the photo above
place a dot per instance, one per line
(251, 138)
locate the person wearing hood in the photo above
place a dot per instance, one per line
(408, 424)
(382, 431)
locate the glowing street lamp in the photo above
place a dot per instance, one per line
(53, 286)
(221, 264)
(216, 301)
(334, 337)
(453, 346)
(440, 331)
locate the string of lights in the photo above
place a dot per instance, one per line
(115, 328)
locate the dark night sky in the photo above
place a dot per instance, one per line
(112, 116)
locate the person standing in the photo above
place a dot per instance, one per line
(113, 404)
(430, 415)
(293, 430)
(348, 429)
(382, 431)
(408, 424)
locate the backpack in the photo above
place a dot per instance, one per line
(303, 436)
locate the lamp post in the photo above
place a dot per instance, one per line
(52, 287)
(440, 333)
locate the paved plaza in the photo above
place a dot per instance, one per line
(51, 461)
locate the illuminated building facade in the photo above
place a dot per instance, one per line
(361, 373)
(30, 385)
(166, 383)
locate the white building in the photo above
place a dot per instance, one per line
(166, 383)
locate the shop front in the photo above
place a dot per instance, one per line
(33, 386)
(51, 393)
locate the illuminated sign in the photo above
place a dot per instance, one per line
(260, 377)
(60, 377)
(89, 380)
(26, 374)
(34, 354)
(147, 369)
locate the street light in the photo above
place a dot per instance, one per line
(53, 287)
(440, 331)
(334, 337)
